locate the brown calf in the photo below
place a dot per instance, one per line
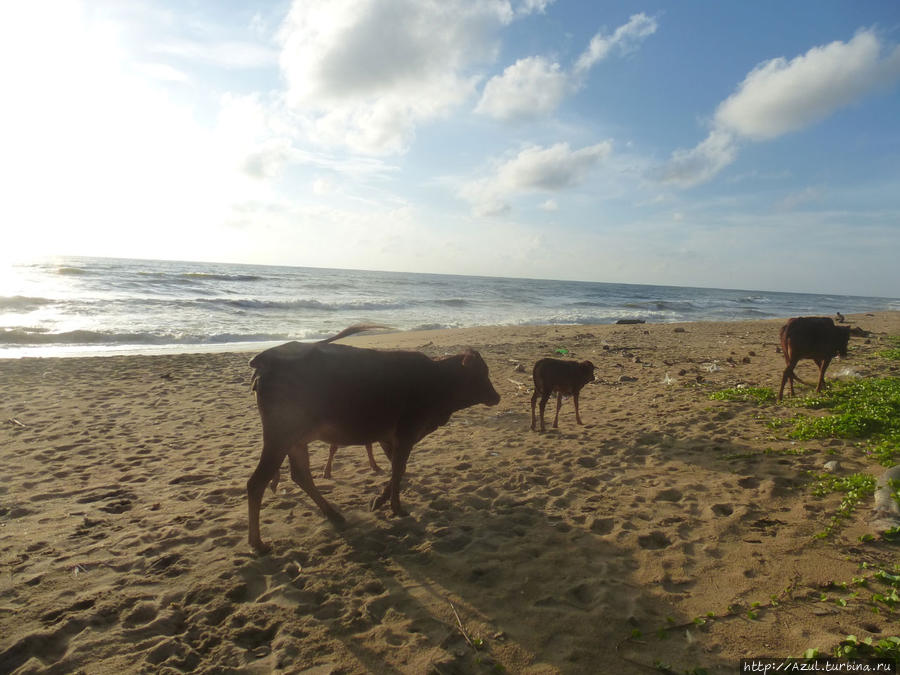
(562, 377)
(327, 474)
(349, 396)
(811, 337)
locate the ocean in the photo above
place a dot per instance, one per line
(79, 306)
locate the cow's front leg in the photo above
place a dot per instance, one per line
(381, 499)
(398, 469)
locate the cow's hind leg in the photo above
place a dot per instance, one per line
(302, 476)
(544, 398)
(534, 398)
(266, 469)
(558, 404)
(577, 414)
(823, 366)
(787, 375)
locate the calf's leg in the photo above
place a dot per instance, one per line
(534, 398)
(544, 398)
(558, 404)
(331, 451)
(577, 414)
(372, 464)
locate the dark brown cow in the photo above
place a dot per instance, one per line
(327, 474)
(350, 396)
(811, 337)
(562, 377)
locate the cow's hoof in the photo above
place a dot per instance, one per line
(400, 513)
(260, 547)
(336, 519)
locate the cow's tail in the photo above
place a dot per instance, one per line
(351, 330)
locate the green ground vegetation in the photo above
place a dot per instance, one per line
(867, 409)
(892, 352)
(757, 395)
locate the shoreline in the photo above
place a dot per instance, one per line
(123, 517)
(89, 351)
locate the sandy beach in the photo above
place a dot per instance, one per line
(644, 537)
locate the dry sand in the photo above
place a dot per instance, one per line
(123, 520)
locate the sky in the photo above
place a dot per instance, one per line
(713, 144)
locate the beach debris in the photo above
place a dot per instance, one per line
(831, 466)
(627, 378)
(516, 382)
(629, 321)
(14, 421)
(519, 368)
(463, 631)
(887, 508)
(712, 367)
(680, 329)
(668, 379)
(563, 351)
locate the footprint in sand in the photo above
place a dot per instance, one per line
(722, 509)
(654, 540)
(670, 495)
(602, 525)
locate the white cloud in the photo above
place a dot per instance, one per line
(534, 86)
(550, 205)
(367, 73)
(531, 87)
(799, 198)
(228, 54)
(780, 96)
(625, 39)
(532, 6)
(534, 169)
(687, 168)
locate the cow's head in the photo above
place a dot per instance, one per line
(586, 372)
(843, 338)
(476, 380)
